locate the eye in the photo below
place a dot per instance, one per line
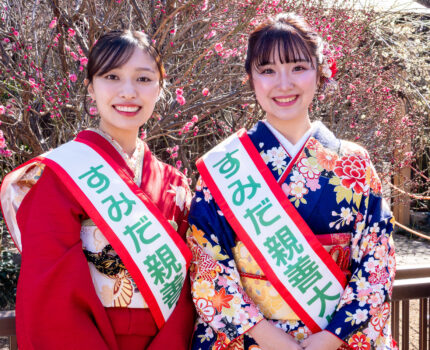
(144, 79)
(111, 77)
(266, 71)
(299, 68)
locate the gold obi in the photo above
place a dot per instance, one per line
(261, 291)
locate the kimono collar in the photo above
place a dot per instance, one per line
(290, 148)
(132, 165)
(261, 134)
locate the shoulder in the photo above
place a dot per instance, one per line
(19, 182)
(348, 160)
(168, 172)
(174, 175)
(202, 194)
(349, 148)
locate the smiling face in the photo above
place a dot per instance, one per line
(285, 90)
(126, 95)
(283, 61)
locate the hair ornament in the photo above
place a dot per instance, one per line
(329, 68)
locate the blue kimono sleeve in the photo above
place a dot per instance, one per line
(363, 313)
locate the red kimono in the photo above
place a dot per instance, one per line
(59, 305)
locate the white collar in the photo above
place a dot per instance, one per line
(291, 149)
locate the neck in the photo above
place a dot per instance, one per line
(125, 138)
(293, 129)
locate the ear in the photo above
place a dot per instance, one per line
(90, 88)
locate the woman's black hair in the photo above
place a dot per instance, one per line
(115, 48)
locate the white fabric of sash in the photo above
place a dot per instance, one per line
(247, 167)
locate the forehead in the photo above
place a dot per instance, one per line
(132, 58)
(140, 57)
(282, 46)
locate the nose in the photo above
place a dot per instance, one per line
(285, 80)
(128, 90)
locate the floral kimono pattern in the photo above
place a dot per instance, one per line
(336, 190)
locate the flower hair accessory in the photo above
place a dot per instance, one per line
(332, 65)
(329, 68)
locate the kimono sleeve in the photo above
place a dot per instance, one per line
(363, 312)
(217, 292)
(56, 305)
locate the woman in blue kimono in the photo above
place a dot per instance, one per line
(330, 185)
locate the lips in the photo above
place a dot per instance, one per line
(285, 100)
(127, 108)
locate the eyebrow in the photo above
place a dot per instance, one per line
(293, 62)
(145, 69)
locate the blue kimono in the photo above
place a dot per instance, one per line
(336, 190)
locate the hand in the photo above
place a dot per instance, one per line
(322, 340)
(270, 337)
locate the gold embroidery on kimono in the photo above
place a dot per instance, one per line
(261, 291)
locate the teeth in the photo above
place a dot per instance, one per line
(127, 108)
(283, 100)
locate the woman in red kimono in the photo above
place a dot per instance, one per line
(74, 290)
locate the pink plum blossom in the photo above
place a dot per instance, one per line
(209, 35)
(180, 99)
(73, 77)
(74, 56)
(218, 47)
(53, 23)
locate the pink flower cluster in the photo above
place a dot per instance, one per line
(180, 97)
(3, 147)
(53, 23)
(173, 151)
(189, 125)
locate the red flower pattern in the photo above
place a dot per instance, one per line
(378, 320)
(380, 276)
(352, 171)
(359, 341)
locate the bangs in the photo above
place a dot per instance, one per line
(115, 55)
(287, 46)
